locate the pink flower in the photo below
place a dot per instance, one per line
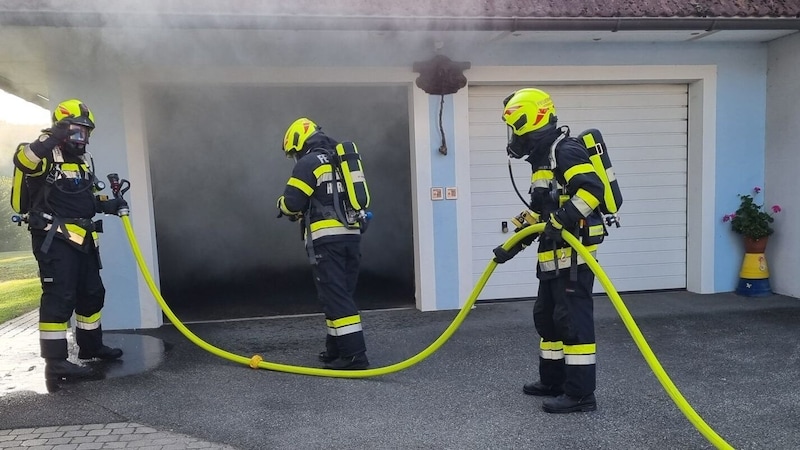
(776, 208)
(728, 217)
(756, 189)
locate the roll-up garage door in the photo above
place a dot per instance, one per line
(645, 128)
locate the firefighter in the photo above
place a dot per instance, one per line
(61, 191)
(332, 247)
(566, 192)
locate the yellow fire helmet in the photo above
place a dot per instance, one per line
(297, 134)
(529, 110)
(77, 112)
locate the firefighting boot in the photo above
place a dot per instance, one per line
(566, 404)
(61, 369)
(354, 362)
(326, 357)
(104, 352)
(331, 351)
(542, 390)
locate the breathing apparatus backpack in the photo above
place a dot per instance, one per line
(20, 195)
(598, 155)
(347, 167)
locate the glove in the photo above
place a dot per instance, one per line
(59, 133)
(113, 205)
(501, 255)
(539, 198)
(278, 205)
(553, 228)
(60, 130)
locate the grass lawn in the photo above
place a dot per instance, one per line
(19, 284)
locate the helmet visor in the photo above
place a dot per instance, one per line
(79, 134)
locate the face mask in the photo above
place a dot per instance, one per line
(73, 148)
(530, 144)
(79, 134)
(518, 146)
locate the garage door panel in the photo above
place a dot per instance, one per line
(649, 141)
(498, 185)
(647, 219)
(645, 232)
(522, 176)
(644, 284)
(645, 129)
(649, 192)
(493, 226)
(675, 205)
(601, 101)
(613, 128)
(662, 166)
(663, 264)
(497, 157)
(495, 199)
(661, 268)
(660, 251)
(589, 118)
(517, 291)
(631, 181)
(518, 269)
(488, 146)
(612, 90)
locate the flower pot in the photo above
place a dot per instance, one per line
(754, 275)
(755, 245)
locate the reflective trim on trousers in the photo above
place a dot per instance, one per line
(52, 335)
(345, 330)
(87, 323)
(579, 360)
(580, 354)
(552, 350)
(554, 355)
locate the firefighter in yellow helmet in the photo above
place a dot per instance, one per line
(333, 247)
(565, 191)
(60, 189)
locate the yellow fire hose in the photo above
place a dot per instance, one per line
(257, 362)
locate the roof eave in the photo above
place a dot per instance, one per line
(390, 23)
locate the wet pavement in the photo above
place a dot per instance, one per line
(734, 359)
(22, 369)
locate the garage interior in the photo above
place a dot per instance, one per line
(217, 168)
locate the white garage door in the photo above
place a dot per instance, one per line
(644, 127)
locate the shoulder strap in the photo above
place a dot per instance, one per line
(553, 163)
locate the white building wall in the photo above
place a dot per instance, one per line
(127, 306)
(783, 162)
(736, 81)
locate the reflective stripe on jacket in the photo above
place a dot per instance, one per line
(309, 192)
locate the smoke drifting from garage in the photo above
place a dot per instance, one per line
(217, 168)
(215, 158)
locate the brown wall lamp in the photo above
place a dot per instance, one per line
(441, 76)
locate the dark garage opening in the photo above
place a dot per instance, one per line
(217, 168)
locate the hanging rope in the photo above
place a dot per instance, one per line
(443, 147)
